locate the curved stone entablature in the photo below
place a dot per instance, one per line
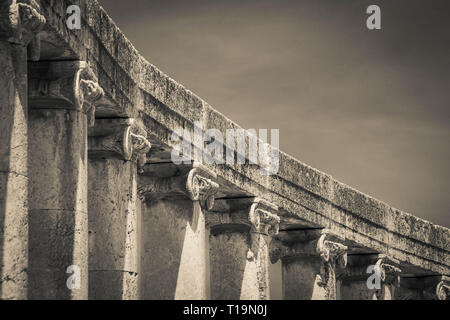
(306, 197)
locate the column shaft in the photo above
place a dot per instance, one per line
(60, 95)
(301, 280)
(113, 233)
(13, 171)
(174, 236)
(114, 148)
(174, 250)
(19, 25)
(309, 261)
(58, 202)
(240, 233)
(239, 266)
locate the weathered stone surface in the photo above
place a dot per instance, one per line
(58, 240)
(58, 202)
(13, 115)
(195, 183)
(301, 280)
(240, 233)
(19, 25)
(62, 97)
(173, 253)
(13, 162)
(136, 88)
(64, 85)
(113, 285)
(310, 259)
(123, 138)
(353, 280)
(58, 157)
(424, 288)
(13, 236)
(96, 72)
(113, 234)
(228, 258)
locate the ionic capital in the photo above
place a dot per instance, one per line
(124, 137)
(20, 23)
(390, 274)
(197, 184)
(263, 217)
(358, 268)
(253, 214)
(64, 85)
(318, 243)
(425, 287)
(332, 252)
(200, 188)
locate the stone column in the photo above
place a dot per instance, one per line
(62, 98)
(240, 234)
(116, 146)
(173, 231)
(369, 277)
(309, 259)
(19, 25)
(425, 287)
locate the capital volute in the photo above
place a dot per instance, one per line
(331, 251)
(263, 217)
(201, 188)
(390, 274)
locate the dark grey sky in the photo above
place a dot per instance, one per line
(370, 108)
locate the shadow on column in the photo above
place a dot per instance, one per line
(301, 280)
(13, 171)
(112, 230)
(229, 259)
(173, 253)
(57, 201)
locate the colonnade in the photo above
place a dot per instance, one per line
(84, 215)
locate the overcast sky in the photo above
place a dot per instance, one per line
(371, 108)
